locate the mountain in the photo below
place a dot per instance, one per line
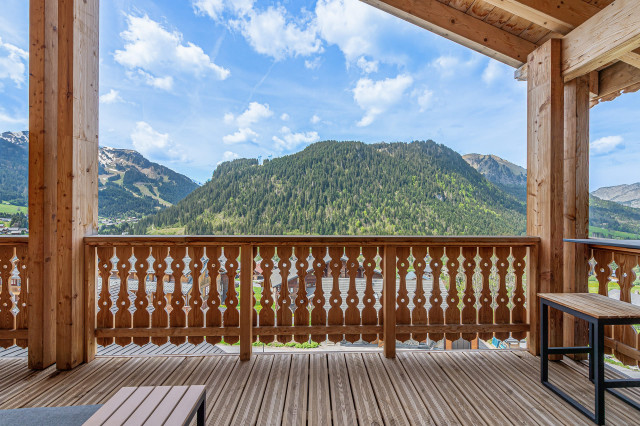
(607, 219)
(129, 184)
(351, 188)
(628, 195)
(510, 177)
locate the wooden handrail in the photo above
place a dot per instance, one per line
(291, 240)
(10, 240)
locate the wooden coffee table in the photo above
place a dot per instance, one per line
(153, 405)
(598, 311)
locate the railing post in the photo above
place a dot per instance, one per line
(90, 279)
(246, 301)
(389, 306)
(533, 341)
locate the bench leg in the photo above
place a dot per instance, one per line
(598, 376)
(591, 358)
(544, 342)
(200, 418)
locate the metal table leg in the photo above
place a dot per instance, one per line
(598, 376)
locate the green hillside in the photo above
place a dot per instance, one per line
(350, 188)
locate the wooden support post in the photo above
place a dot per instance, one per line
(91, 278)
(246, 302)
(389, 295)
(545, 134)
(43, 104)
(533, 308)
(77, 170)
(576, 202)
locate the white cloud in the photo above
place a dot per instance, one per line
(315, 119)
(495, 71)
(606, 144)
(313, 64)
(376, 97)
(285, 117)
(424, 99)
(351, 25)
(112, 97)
(242, 135)
(271, 33)
(448, 65)
(292, 140)
(6, 118)
(228, 156)
(156, 53)
(13, 63)
(254, 113)
(215, 8)
(367, 66)
(151, 143)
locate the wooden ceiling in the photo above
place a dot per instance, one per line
(509, 30)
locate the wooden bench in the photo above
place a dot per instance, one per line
(152, 405)
(598, 311)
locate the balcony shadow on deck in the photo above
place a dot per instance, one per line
(455, 387)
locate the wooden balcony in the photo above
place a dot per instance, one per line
(454, 387)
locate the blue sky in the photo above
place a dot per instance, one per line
(191, 83)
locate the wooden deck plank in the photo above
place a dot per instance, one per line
(216, 381)
(276, 392)
(444, 402)
(365, 399)
(319, 397)
(415, 409)
(609, 373)
(226, 404)
(251, 399)
(343, 408)
(295, 405)
(388, 401)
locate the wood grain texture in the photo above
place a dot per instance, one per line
(214, 317)
(195, 317)
(266, 317)
(301, 314)
(231, 316)
(436, 313)
(452, 313)
(283, 313)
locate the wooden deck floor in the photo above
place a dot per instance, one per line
(454, 387)
(134, 350)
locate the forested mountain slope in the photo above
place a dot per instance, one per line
(350, 188)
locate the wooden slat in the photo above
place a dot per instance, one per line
(195, 317)
(301, 314)
(214, 317)
(595, 305)
(141, 317)
(284, 315)
(419, 312)
(224, 408)
(352, 313)
(469, 312)
(436, 313)
(343, 411)
(250, 401)
(246, 302)
(231, 316)
(275, 393)
(519, 312)
(159, 316)
(365, 399)
(129, 405)
(452, 313)
(107, 410)
(388, 402)
(502, 315)
(403, 314)
(319, 396)
(7, 319)
(295, 405)
(22, 298)
(369, 313)
(177, 316)
(318, 313)
(188, 404)
(266, 317)
(336, 316)
(169, 403)
(123, 318)
(389, 296)
(145, 409)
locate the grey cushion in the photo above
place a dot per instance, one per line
(44, 416)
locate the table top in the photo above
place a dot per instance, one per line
(628, 244)
(594, 305)
(150, 405)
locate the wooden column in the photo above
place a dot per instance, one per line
(576, 201)
(77, 174)
(545, 135)
(43, 107)
(389, 305)
(246, 302)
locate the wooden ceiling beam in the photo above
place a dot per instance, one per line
(461, 28)
(615, 80)
(609, 35)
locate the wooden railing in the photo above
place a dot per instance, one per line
(617, 272)
(13, 291)
(178, 289)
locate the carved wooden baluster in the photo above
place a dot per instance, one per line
(336, 316)
(159, 316)
(502, 313)
(603, 273)
(352, 313)
(22, 298)
(301, 315)
(485, 313)
(7, 320)
(177, 317)
(419, 313)
(381, 310)
(141, 316)
(104, 315)
(519, 312)
(123, 314)
(254, 317)
(403, 314)
(267, 316)
(469, 313)
(369, 314)
(436, 314)
(214, 317)
(284, 314)
(625, 334)
(452, 313)
(195, 318)
(231, 315)
(318, 313)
